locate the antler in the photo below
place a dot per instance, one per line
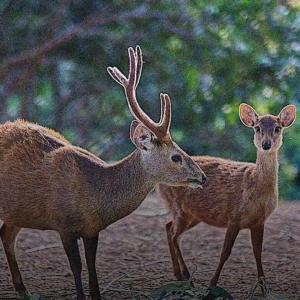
(161, 129)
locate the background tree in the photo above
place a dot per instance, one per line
(209, 56)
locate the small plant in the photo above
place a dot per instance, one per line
(268, 293)
(184, 290)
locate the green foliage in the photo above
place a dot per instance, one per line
(183, 290)
(217, 293)
(31, 297)
(209, 56)
(171, 289)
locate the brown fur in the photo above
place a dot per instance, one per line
(237, 195)
(220, 200)
(47, 183)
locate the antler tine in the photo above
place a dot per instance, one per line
(117, 75)
(135, 69)
(166, 112)
(162, 108)
(132, 68)
(139, 69)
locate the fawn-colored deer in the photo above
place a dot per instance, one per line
(239, 195)
(47, 183)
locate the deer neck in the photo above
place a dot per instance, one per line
(131, 184)
(267, 171)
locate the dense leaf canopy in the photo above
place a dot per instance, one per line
(209, 56)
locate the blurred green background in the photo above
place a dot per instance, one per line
(209, 56)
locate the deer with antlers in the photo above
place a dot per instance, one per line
(46, 183)
(241, 195)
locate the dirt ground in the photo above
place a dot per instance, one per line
(133, 257)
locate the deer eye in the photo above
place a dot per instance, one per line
(257, 129)
(277, 129)
(176, 158)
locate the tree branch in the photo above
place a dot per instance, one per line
(94, 20)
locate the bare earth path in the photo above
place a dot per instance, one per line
(133, 257)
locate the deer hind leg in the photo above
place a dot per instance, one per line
(72, 251)
(231, 234)
(8, 236)
(174, 230)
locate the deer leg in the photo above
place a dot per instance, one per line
(72, 251)
(257, 234)
(176, 266)
(174, 230)
(184, 269)
(8, 236)
(231, 234)
(90, 247)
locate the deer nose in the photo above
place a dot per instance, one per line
(266, 145)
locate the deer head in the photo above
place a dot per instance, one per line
(267, 128)
(161, 157)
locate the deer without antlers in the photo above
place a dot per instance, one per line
(241, 195)
(47, 183)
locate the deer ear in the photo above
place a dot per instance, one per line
(248, 115)
(287, 115)
(141, 137)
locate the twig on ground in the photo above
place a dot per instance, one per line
(49, 246)
(112, 282)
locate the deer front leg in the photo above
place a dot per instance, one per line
(72, 251)
(257, 234)
(174, 229)
(171, 242)
(8, 236)
(90, 247)
(231, 234)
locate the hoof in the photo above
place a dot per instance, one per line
(213, 283)
(178, 276)
(186, 276)
(263, 286)
(96, 297)
(24, 295)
